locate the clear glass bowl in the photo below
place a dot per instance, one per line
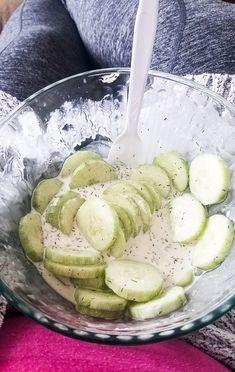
(87, 111)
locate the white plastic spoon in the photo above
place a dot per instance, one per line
(128, 147)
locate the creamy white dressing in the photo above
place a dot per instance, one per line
(156, 246)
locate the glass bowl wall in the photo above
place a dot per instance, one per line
(87, 111)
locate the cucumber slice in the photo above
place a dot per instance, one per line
(133, 280)
(73, 161)
(121, 226)
(156, 174)
(72, 271)
(153, 190)
(31, 237)
(170, 300)
(188, 218)
(99, 223)
(176, 167)
(99, 300)
(215, 243)
(57, 284)
(95, 283)
(109, 315)
(120, 187)
(92, 171)
(144, 192)
(68, 256)
(54, 206)
(130, 208)
(126, 189)
(118, 248)
(55, 212)
(130, 188)
(145, 212)
(67, 214)
(124, 220)
(184, 279)
(44, 193)
(209, 178)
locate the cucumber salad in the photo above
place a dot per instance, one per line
(120, 242)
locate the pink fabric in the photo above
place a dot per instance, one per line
(25, 346)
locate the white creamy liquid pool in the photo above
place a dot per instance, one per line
(156, 247)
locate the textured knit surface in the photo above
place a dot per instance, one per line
(194, 36)
(26, 347)
(40, 43)
(38, 46)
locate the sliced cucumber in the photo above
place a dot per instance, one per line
(109, 315)
(145, 212)
(133, 280)
(95, 283)
(67, 214)
(153, 190)
(72, 271)
(124, 220)
(188, 218)
(61, 212)
(57, 283)
(156, 174)
(44, 192)
(122, 227)
(99, 300)
(118, 248)
(68, 256)
(99, 223)
(92, 171)
(120, 187)
(52, 211)
(176, 167)
(170, 300)
(131, 188)
(209, 178)
(184, 279)
(130, 208)
(215, 243)
(73, 161)
(31, 237)
(144, 191)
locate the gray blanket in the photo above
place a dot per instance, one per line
(218, 339)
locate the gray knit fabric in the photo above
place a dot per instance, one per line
(193, 36)
(38, 46)
(40, 43)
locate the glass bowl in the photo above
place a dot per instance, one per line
(87, 111)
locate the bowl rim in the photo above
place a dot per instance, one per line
(114, 338)
(179, 79)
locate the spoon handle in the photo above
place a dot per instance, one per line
(144, 35)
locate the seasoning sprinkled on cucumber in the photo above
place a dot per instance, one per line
(215, 243)
(188, 218)
(176, 167)
(170, 300)
(132, 280)
(209, 177)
